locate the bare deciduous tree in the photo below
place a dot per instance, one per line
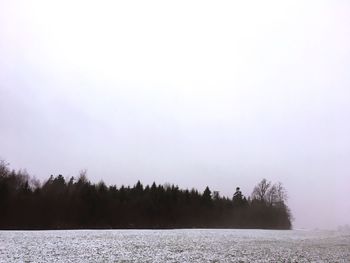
(261, 190)
(276, 194)
(271, 195)
(281, 193)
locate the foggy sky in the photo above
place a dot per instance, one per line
(191, 93)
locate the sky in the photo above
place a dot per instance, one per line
(195, 93)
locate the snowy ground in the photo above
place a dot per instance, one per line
(195, 245)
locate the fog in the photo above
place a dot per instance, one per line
(193, 93)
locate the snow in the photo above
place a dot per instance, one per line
(185, 245)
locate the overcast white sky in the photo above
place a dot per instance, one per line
(196, 93)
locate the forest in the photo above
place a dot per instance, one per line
(76, 203)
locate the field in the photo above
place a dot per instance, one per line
(186, 245)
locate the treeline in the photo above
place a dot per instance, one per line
(77, 203)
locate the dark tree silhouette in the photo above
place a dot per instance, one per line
(237, 197)
(77, 203)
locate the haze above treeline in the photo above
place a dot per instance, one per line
(193, 93)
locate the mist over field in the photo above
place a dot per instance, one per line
(188, 93)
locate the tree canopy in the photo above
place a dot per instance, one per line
(72, 203)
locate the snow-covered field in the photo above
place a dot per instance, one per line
(188, 245)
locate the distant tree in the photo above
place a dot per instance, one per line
(237, 198)
(276, 194)
(216, 195)
(138, 187)
(101, 187)
(4, 170)
(281, 193)
(271, 195)
(260, 191)
(82, 178)
(207, 194)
